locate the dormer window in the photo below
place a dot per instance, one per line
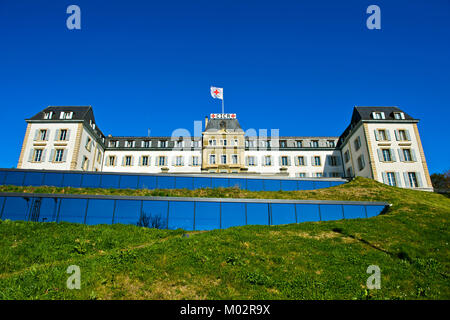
(162, 143)
(299, 144)
(315, 143)
(114, 143)
(378, 115)
(399, 116)
(283, 144)
(48, 115)
(129, 143)
(146, 144)
(331, 143)
(66, 115)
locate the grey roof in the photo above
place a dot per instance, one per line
(227, 124)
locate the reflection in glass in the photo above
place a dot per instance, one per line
(258, 213)
(53, 179)
(288, 185)
(233, 214)
(147, 182)
(201, 183)
(72, 210)
(166, 182)
(33, 179)
(14, 178)
(128, 182)
(110, 181)
(354, 212)
(307, 212)
(331, 212)
(2, 177)
(238, 183)
(72, 180)
(283, 213)
(207, 215)
(43, 209)
(184, 182)
(255, 185)
(91, 181)
(100, 211)
(156, 214)
(306, 185)
(219, 182)
(127, 211)
(373, 211)
(16, 208)
(272, 185)
(181, 215)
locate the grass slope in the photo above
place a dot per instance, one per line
(320, 260)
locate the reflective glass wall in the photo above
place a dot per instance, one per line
(174, 213)
(129, 181)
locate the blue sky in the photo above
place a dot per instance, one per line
(299, 66)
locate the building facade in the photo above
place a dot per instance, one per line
(381, 143)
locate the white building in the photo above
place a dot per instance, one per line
(381, 143)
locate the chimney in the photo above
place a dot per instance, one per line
(206, 121)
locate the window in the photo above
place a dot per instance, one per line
(349, 172)
(283, 144)
(316, 160)
(267, 160)
(315, 143)
(127, 161)
(223, 159)
(331, 143)
(299, 144)
(195, 144)
(88, 143)
(114, 143)
(43, 134)
(145, 160)
(162, 161)
(319, 174)
(37, 155)
(382, 135)
(112, 160)
(179, 144)
(335, 174)
(99, 156)
(179, 161)
(146, 144)
(386, 155)
(162, 143)
(85, 163)
(63, 134)
(48, 115)
(129, 144)
(59, 155)
(413, 180)
(234, 158)
(195, 161)
(361, 162)
(357, 143)
(223, 142)
(212, 142)
(346, 156)
(300, 161)
(65, 115)
(391, 179)
(212, 159)
(378, 115)
(407, 155)
(301, 175)
(403, 135)
(284, 161)
(251, 161)
(333, 161)
(399, 115)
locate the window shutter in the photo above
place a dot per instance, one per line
(123, 160)
(406, 179)
(312, 161)
(385, 180)
(191, 160)
(246, 161)
(305, 159)
(61, 115)
(382, 115)
(43, 155)
(289, 160)
(413, 155)
(57, 134)
(380, 155)
(132, 161)
(376, 135)
(402, 116)
(408, 137)
(64, 157)
(52, 155)
(263, 163)
(156, 161)
(396, 135)
(296, 162)
(400, 155)
(397, 179)
(419, 180)
(388, 135)
(140, 163)
(373, 115)
(36, 134)
(30, 155)
(393, 158)
(256, 160)
(280, 161)
(173, 160)
(70, 117)
(182, 160)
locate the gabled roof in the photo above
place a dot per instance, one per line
(227, 124)
(79, 113)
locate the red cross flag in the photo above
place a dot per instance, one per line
(217, 93)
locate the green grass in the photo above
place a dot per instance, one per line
(321, 260)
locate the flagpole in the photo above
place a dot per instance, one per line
(222, 105)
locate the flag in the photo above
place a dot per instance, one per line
(217, 93)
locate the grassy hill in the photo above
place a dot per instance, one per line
(318, 260)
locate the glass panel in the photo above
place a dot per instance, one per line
(219, 182)
(322, 184)
(43, 209)
(283, 213)
(233, 214)
(272, 185)
(72, 210)
(335, 183)
(128, 182)
(306, 185)
(255, 185)
(156, 214)
(14, 178)
(16, 208)
(207, 215)
(100, 211)
(238, 183)
(53, 179)
(354, 211)
(200, 183)
(110, 181)
(2, 177)
(307, 212)
(166, 183)
(331, 212)
(127, 211)
(181, 215)
(257, 213)
(91, 181)
(33, 179)
(72, 180)
(289, 185)
(147, 182)
(184, 182)
(373, 211)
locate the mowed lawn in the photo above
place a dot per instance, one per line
(320, 260)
